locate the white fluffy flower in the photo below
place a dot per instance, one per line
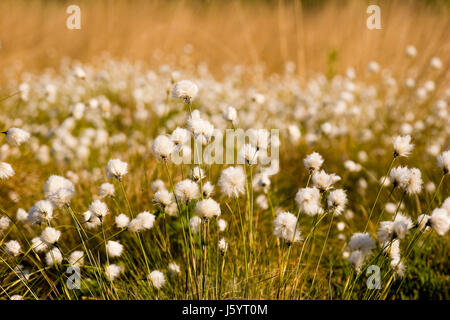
(186, 190)
(444, 161)
(221, 224)
(232, 181)
(42, 210)
(230, 114)
(163, 197)
(285, 227)
(194, 223)
(436, 63)
(399, 176)
(99, 208)
(157, 279)
(402, 146)
(53, 257)
(91, 220)
(411, 51)
(208, 189)
(163, 147)
(38, 245)
(362, 242)
(248, 154)
(313, 162)
(180, 136)
(116, 169)
(262, 202)
(352, 166)
(197, 174)
(207, 209)
(76, 258)
(16, 297)
(223, 246)
(174, 268)
(186, 90)
(308, 200)
(6, 171)
(50, 235)
(112, 271)
(59, 190)
(446, 205)
(106, 190)
(4, 223)
(356, 259)
(21, 215)
(201, 128)
(13, 248)
(114, 248)
(323, 180)
(143, 221)
(337, 200)
(122, 221)
(16, 136)
(158, 185)
(440, 221)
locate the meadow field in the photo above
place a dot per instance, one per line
(115, 182)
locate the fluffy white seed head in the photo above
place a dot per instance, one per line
(337, 199)
(106, 190)
(114, 248)
(362, 242)
(180, 136)
(116, 169)
(440, 221)
(444, 161)
(308, 200)
(223, 246)
(221, 224)
(13, 248)
(53, 257)
(59, 190)
(76, 258)
(186, 190)
(6, 171)
(157, 279)
(194, 223)
(207, 209)
(174, 268)
(313, 162)
(16, 136)
(4, 223)
(41, 211)
(208, 189)
(163, 147)
(232, 181)
(38, 245)
(248, 154)
(197, 174)
(143, 221)
(402, 146)
(285, 227)
(50, 235)
(99, 208)
(185, 90)
(21, 215)
(122, 221)
(163, 198)
(91, 220)
(112, 271)
(323, 180)
(230, 114)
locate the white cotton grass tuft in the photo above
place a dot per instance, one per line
(230, 114)
(411, 51)
(248, 154)
(16, 136)
(106, 190)
(444, 161)
(194, 223)
(143, 221)
(163, 147)
(76, 258)
(40, 212)
(163, 198)
(185, 90)
(6, 171)
(50, 235)
(313, 162)
(115, 168)
(410, 180)
(197, 174)
(285, 227)
(38, 245)
(13, 248)
(336, 201)
(157, 279)
(180, 136)
(16, 297)
(114, 248)
(207, 209)
(362, 242)
(21, 215)
(324, 181)
(232, 181)
(439, 221)
(402, 146)
(221, 224)
(308, 200)
(53, 257)
(174, 268)
(208, 189)
(223, 246)
(112, 271)
(158, 185)
(186, 190)
(4, 223)
(91, 220)
(99, 208)
(122, 221)
(59, 190)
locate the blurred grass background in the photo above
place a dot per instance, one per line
(34, 36)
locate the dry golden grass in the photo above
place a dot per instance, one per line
(33, 33)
